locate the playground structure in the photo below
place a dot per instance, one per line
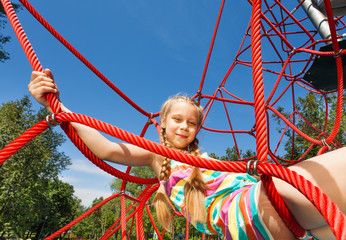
(293, 42)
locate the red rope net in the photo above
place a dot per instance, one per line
(270, 27)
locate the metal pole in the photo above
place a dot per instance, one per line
(10, 192)
(318, 19)
(42, 227)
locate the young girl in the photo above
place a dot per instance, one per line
(232, 205)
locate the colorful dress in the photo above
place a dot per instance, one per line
(230, 202)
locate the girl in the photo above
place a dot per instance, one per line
(232, 205)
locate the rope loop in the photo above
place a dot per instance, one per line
(253, 131)
(293, 51)
(251, 167)
(151, 117)
(336, 55)
(199, 93)
(326, 144)
(51, 120)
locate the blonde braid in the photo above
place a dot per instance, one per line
(166, 164)
(195, 190)
(161, 201)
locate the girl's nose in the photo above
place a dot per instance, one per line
(183, 125)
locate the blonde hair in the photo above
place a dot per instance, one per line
(195, 187)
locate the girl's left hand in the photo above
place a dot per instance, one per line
(42, 83)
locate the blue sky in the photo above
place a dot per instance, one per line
(149, 49)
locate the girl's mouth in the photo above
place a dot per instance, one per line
(181, 136)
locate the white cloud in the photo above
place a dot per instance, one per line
(89, 194)
(70, 179)
(88, 181)
(85, 166)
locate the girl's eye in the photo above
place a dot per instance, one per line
(192, 123)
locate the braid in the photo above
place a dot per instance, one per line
(195, 190)
(166, 164)
(161, 201)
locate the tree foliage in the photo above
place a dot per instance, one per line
(3, 38)
(234, 154)
(311, 111)
(32, 198)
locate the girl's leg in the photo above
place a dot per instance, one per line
(322, 233)
(327, 172)
(271, 219)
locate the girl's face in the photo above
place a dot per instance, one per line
(181, 125)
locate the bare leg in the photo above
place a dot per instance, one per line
(327, 172)
(323, 233)
(271, 218)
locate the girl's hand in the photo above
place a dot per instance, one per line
(41, 84)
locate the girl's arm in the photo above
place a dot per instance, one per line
(121, 153)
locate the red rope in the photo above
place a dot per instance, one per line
(24, 42)
(142, 204)
(260, 116)
(280, 207)
(22, 140)
(336, 48)
(211, 47)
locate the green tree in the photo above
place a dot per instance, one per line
(58, 210)
(31, 195)
(233, 154)
(311, 112)
(4, 39)
(104, 217)
(82, 228)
